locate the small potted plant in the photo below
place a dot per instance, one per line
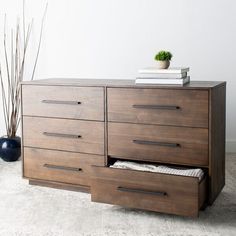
(163, 58)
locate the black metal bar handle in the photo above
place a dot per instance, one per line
(61, 102)
(156, 143)
(161, 107)
(62, 135)
(62, 167)
(133, 190)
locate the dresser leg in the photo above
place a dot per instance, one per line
(204, 206)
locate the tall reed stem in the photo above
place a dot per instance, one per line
(14, 62)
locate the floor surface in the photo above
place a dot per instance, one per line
(27, 210)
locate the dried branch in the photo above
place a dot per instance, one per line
(29, 29)
(23, 15)
(40, 39)
(15, 71)
(7, 66)
(4, 102)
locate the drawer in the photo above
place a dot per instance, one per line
(64, 102)
(149, 191)
(61, 134)
(65, 167)
(167, 144)
(158, 106)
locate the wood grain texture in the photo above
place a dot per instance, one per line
(91, 132)
(122, 83)
(203, 193)
(22, 131)
(193, 106)
(198, 127)
(181, 193)
(192, 149)
(37, 160)
(217, 141)
(91, 101)
(57, 185)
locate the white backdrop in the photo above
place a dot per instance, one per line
(114, 38)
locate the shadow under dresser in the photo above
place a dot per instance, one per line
(73, 130)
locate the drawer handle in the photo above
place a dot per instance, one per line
(156, 143)
(61, 167)
(61, 102)
(162, 107)
(133, 190)
(62, 135)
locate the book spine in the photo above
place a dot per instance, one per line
(162, 76)
(162, 81)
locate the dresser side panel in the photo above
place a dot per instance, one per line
(217, 141)
(22, 129)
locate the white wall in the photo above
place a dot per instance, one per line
(114, 38)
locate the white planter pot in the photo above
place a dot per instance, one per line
(163, 64)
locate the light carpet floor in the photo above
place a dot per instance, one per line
(27, 210)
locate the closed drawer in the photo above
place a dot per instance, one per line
(150, 191)
(65, 167)
(181, 145)
(64, 102)
(158, 106)
(61, 134)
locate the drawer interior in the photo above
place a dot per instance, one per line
(149, 191)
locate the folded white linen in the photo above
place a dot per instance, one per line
(134, 166)
(198, 173)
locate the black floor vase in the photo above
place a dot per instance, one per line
(10, 148)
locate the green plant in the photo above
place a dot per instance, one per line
(163, 56)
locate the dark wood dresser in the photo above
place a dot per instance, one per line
(73, 129)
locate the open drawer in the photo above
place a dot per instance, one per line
(149, 191)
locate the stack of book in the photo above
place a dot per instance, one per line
(171, 76)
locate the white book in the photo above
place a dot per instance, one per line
(162, 76)
(163, 81)
(171, 70)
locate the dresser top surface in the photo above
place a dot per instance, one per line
(120, 83)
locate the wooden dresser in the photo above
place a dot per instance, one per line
(73, 129)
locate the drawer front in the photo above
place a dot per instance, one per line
(150, 191)
(158, 106)
(64, 102)
(181, 145)
(65, 167)
(68, 135)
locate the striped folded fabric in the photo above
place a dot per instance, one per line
(197, 173)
